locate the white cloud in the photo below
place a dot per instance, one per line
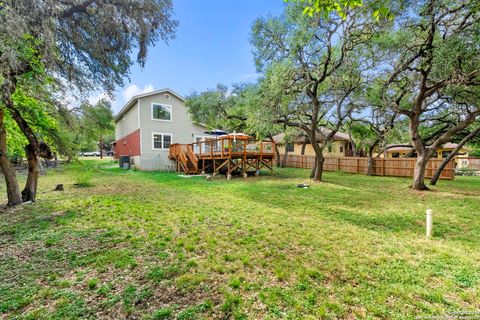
(133, 90)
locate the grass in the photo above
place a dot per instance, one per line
(158, 246)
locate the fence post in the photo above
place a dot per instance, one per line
(301, 157)
(383, 166)
(358, 165)
(338, 164)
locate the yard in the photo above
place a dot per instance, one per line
(155, 245)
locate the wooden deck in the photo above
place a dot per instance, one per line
(223, 155)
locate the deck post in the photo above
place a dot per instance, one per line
(244, 158)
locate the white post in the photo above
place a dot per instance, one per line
(429, 223)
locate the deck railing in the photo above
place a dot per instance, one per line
(228, 147)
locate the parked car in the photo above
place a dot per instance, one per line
(90, 154)
(109, 153)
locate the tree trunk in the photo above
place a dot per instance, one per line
(285, 157)
(370, 161)
(370, 155)
(317, 171)
(419, 173)
(319, 168)
(304, 145)
(445, 161)
(101, 147)
(277, 153)
(422, 155)
(314, 169)
(30, 190)
(13, 191)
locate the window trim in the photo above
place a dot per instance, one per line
(162, 134)
(169, 106)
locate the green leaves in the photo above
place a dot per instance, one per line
(326, 7)
(378, 8)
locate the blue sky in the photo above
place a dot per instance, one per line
(211, 46)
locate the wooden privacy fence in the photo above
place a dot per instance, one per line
(473, 163)
(394, 167)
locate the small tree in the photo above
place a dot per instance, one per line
(96, 122)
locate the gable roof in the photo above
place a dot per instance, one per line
(321, 134)
(134, 99)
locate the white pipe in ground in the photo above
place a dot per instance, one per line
(429, 223)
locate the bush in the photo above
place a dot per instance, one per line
(83, 178)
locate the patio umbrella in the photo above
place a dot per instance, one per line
(235, 136)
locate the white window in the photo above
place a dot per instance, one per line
(161, 141)
(199, 138)
(161, 112)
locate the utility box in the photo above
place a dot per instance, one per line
(124, 162)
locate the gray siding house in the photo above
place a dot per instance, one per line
(149, 123)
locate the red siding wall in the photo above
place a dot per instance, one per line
(128, 145)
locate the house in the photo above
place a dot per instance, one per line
(442, 152)
(340, 146)
(149, 123)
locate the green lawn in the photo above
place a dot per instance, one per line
(155, 245)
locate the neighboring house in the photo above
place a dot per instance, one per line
(442, 152)
(341, 145)
(149, 123)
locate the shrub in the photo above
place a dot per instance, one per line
(83, 178)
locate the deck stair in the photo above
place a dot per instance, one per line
(186, 159)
